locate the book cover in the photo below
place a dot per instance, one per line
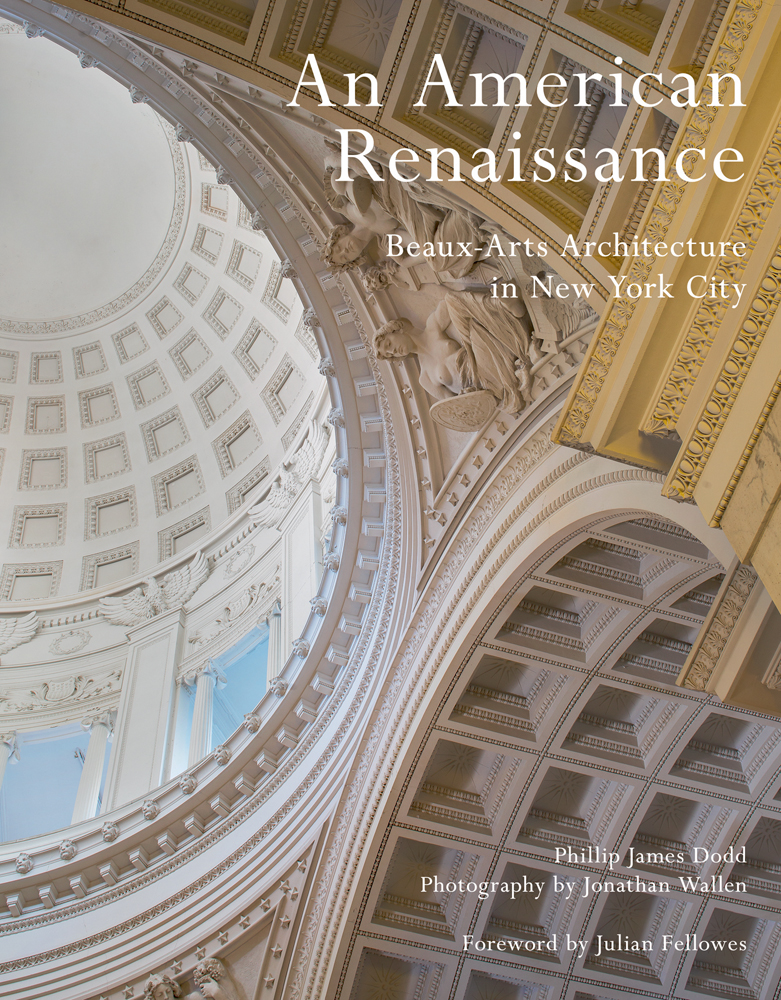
(455, 407)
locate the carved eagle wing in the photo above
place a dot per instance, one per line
(130, 609)
(307, 459)
(269, 511)
(15, 631)
(178, 587)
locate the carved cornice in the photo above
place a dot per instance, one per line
(706, 655)
(693, 456)
(699, 339)
(692, 135)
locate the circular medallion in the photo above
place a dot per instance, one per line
(467, 412)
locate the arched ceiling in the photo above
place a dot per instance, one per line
(154, 368)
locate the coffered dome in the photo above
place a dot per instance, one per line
(154, 368)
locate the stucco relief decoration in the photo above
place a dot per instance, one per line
(24, 863)
(16, 631)
(56, 693)
(67, 850)
(188, 783)
(233, 611)
(295, 474)
(239, 560)
(210, 977)
(150, 809)
(154, 599)
(71, 641)
(336, 417)
(278, 687)
(469, 319)
(251, 722)
(222, 754)
(720, 629)
(339, 514)
(162, 988)
(710, 312)
(110, 831)
(213, 980)
(309, 319)
(666, 201)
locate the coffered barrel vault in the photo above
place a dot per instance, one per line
(491, 657)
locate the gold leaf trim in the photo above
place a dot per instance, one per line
(714, 638)
(699, 340)
(691, 460)
(693, 136)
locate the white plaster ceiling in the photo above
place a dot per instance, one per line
(88, 184)
(154, 367)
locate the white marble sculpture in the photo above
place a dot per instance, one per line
(406, 211)
(210, 977)
(477, 344)
(162, 988)
(471, 342)
(212, 980)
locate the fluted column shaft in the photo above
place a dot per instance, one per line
(274, 658)
(100, 727)
(206, 678)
